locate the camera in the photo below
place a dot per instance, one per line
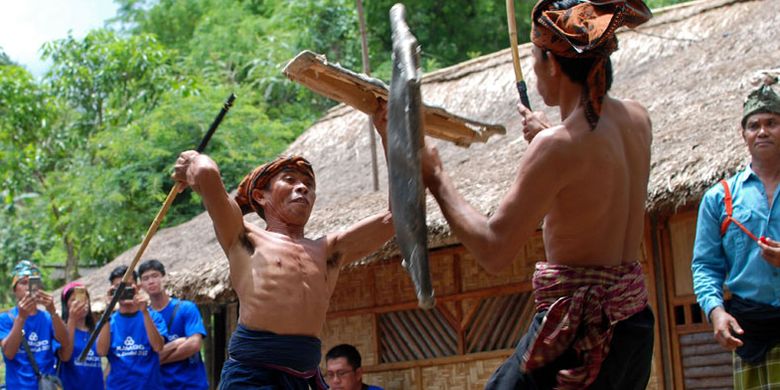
(128, 294)
(80, 294)
(34, 284)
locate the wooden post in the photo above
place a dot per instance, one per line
(367, 71)
(671, 379)
(220, 338)
(231, 322)
(205, 313)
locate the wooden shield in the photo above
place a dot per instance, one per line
(405, 140)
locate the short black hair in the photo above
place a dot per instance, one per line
(149, 265)
(577, 69)
(119, 272)
(346, 351)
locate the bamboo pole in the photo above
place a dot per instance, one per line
(367, 71)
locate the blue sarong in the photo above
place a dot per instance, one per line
(266, 360)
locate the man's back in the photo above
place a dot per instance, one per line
(597, 216)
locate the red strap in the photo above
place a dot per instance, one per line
(729, 210)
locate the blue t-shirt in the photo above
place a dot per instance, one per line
(134, 364)
(189, 373)
(39, 332)
(82, 375)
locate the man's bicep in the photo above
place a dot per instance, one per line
(360, 239)
(224, 212)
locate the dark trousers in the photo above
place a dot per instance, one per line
(627, 366)
(268, 361)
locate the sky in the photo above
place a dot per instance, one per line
(25, 25)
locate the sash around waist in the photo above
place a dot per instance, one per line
(760, 323)
(257, 348)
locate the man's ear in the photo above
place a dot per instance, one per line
(553, 66)
(359, 374)
(258, 196)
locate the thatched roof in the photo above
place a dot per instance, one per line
(689, 65)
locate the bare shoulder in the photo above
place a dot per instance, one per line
(559, 140)
(637, 113)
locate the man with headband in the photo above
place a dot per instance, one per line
(25, 328)
(283, 279)
(586, 179)
(737, 243)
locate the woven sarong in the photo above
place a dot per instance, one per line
(583, 305)
(760, 376)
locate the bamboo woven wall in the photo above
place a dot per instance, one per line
(357, 330)
(473, 277)
(394, 379)
(460, 376)
(452, 271)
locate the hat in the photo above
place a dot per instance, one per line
(586, 29)
(22, 269)
(763, 99)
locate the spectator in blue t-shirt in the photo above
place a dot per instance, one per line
(42, 331)
(78, 318)
(133, 340)
(344, 370)
(182, 366)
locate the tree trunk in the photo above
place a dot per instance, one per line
(72, 261)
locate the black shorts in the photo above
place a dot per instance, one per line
(626, 367)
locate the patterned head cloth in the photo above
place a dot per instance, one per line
(764, 99)
(261, 176)
(22, 269)
(586, 29)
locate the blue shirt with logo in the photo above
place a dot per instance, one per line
(82, 375)
(189, 373)
(134, 364)
(39, 332)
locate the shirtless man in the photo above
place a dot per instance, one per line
(586, 178)
(283, 279)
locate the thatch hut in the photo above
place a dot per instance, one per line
(690, 66)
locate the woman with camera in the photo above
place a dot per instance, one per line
(79, 321)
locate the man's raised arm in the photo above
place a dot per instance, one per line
(495, 241)
(202, 174)
(369, 234)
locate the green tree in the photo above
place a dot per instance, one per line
(4, 59)
(31, 144)
(101, 84)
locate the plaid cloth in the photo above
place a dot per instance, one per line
(594, 299)
(761, 376)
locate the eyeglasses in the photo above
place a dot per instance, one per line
(337, 374)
